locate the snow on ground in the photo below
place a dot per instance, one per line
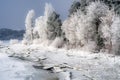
(14, 69)
(69, 64)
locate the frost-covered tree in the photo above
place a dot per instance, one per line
(41, 23)
(102, 30)
(40, 28)
(74, 7)
(54, 26)
(48, 26)
(74, 28)
(92, 25)
(115, 29)
(116, 6)
(79, 4)
(83, 29)
(29, 24)
(106, 34)
(113, 4)
(48, 10)
(95, 11)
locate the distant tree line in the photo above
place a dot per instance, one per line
(7, 34)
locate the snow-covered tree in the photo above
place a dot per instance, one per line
(48, 26)
(83, 29)
(40, 29)
(54, 26)
(79, 4)
(105, 26)
(74, 28)
(48, 10)
(92, 25)
(113, 4)
(29, 24)
(95, 11)
(115, 29)
(74, 7)
(53, 22)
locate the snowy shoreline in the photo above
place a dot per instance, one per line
(16, 69)
(69, 64)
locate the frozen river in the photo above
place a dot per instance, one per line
(14, 69)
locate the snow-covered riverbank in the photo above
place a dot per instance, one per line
(68, 64)
(15, 69)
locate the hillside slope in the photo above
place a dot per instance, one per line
(7, 34)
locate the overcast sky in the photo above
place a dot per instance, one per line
(13, 12)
